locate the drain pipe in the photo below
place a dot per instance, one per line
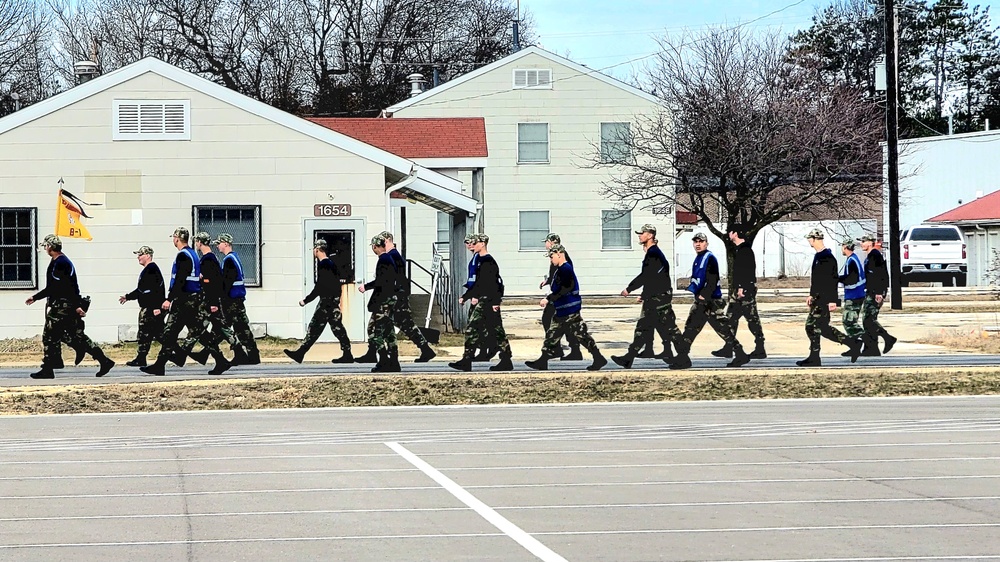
(388, 197)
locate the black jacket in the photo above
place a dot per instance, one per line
(328, 283)
(745, 269)
(552, 272)
(876, 273)
(212, 285)
(402, 283)
(489, 285)
(61, 284)
(184, 268)
(655, 275)
(150, 291)
(384, 284)
(825, 278)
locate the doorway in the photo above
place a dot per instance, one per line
(344, 238)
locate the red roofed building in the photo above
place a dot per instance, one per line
(980, 223)
(417, 139)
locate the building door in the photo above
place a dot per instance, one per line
(345, 239)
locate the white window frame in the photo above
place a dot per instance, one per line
(127, 127)
(252, 278)
(608, 144)
(532, 246)
(443, 245)
(628, 229)
(32, 247)
(548, 138)
(528, 83)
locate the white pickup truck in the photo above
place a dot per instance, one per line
(933, 253)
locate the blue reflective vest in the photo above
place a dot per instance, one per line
(857, 290)
(193, 283)
(239, 289)
(473, 267)
(570, 303)
(699, 272)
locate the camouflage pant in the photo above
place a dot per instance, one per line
(852, 317)
(150, 329)
(746, 307)
(487, 338)
(402, 317)
(380, 329)
(327, 313)
(548, 313)
(62, 323)
(186, 311)
(483, 321)
(657, 315)
(220, 329)
(571, 325)
(870, 314)
(234, 314)
(818, 325)
(712, 311)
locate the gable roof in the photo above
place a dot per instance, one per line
(985, 208)
(579, 68)
(372, 153)
(462, 137)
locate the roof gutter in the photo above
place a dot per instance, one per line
(410, 178)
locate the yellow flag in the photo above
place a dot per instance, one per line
(69, 208)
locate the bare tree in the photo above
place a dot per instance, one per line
(743, 136)
(23, 27)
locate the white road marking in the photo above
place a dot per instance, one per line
(504, 508)
(882, 559)
(530, 543)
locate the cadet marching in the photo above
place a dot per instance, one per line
(207, 296)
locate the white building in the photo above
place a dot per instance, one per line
(546, 117)
(157, 147)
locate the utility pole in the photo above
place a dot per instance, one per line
(892, 148)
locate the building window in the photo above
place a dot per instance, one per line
(535, 78)
(616, 230)
(532, 228)
(532, 143)
(150, 120)
(443, 232)
(243, 222)
(615, 143)
(18, 255)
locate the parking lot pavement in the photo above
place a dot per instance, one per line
(871, 479)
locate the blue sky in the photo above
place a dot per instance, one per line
(602, 33)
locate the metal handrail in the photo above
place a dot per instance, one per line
(442, 295)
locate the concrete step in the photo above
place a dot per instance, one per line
(418, 304)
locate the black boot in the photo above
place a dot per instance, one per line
(240, 357)
(392, 361)
(540, 364)
(599, 361)
(426, 354)
(80, 354)
(666, 354)
(740, 358)
(139, 361)
(58, 363)
(871, 346)
(345, 356)
(726, 351)
(574, 354)
(296, 355)
(505, 364)
(157, 368)
(199, 356)
(221, 363)
(179, 357)
(855, 346)
(812, 361)
(105, 363)
(484, 355)
(647, 352)
(681, 362)
(370, 357)
(624, 361)
(889, 341)
(758, 351)
(463, 364)
(45, 372)
(253, 357)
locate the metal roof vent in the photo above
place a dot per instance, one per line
(85, 71)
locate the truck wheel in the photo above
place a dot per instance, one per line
(960, 280)
(948, 282)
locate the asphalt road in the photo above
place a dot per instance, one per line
(809, 480)
(123, 374)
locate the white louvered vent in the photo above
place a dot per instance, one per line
(152, 120)
(540, 78)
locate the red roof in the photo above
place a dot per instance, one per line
(416, 138)
(686, 217)
(984, 208)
